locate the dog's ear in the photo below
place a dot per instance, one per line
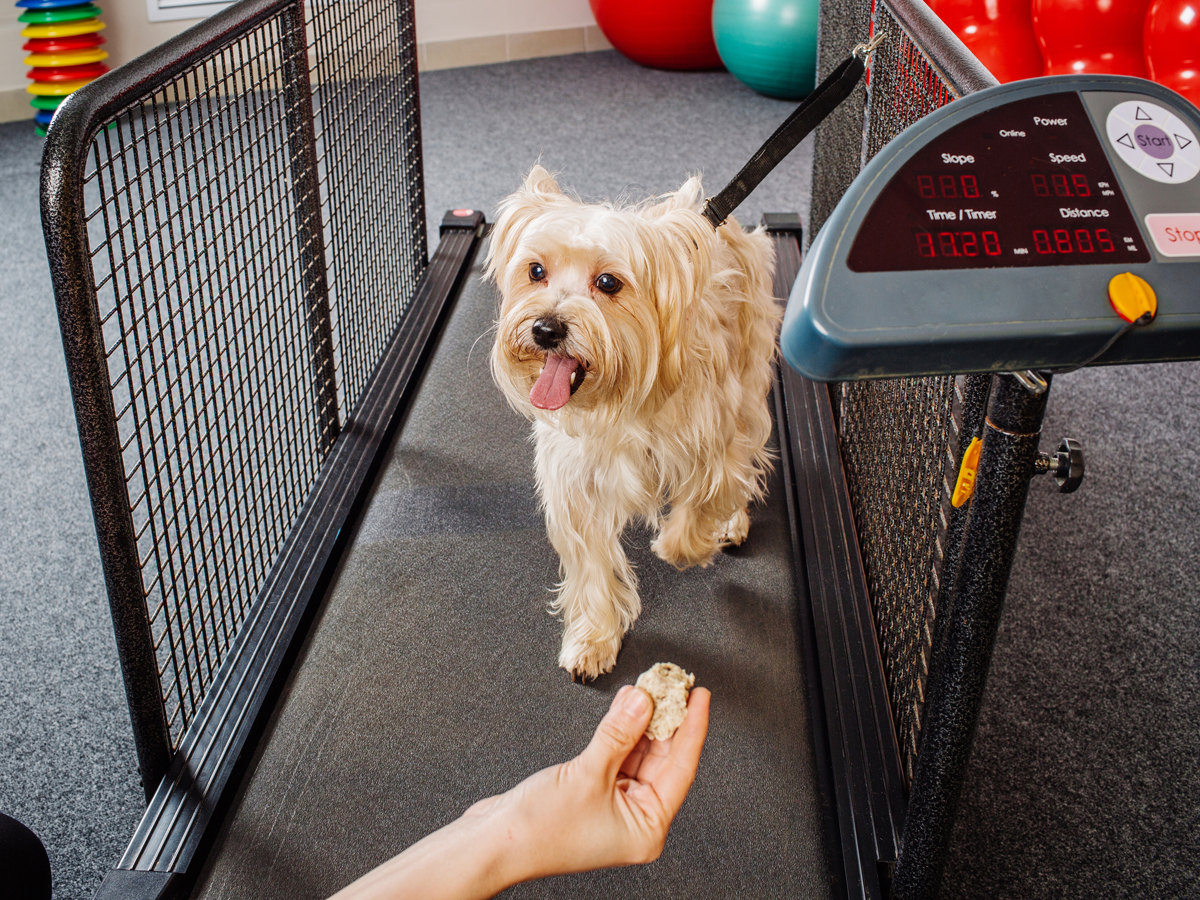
(690, 195)
(539, 181)
(682, 268)
(515, 212)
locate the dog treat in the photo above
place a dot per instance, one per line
(668, 687)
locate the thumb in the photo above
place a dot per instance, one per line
(619, 731)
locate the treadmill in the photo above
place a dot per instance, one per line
(324, 556)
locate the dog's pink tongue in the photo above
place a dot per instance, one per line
(553, 387)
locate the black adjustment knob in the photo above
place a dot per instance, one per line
(1068, 471)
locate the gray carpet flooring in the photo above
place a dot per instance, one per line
(1083, 781)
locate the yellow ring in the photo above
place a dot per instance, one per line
(56, 88)
(69, 58)
(62, 29)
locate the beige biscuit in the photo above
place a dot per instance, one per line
(668, 687)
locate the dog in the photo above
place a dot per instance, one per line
(641, 343)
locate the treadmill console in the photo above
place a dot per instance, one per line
(983, 237)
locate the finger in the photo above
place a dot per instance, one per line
(633, 762)
(618, 732)
(672, 779)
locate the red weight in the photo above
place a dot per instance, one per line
(661, 34)
(1172, 43)
(63, 44)
(67, 73)
(1079, 36)
(998, 32)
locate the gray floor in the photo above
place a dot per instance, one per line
(1084, 780)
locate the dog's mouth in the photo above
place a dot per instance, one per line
(560, 379)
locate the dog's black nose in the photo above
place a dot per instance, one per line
(549, 332)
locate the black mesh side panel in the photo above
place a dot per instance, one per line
(247, 283)
(368, 131)
(901, 440)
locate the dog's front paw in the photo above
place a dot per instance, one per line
(589, 659)
(683, 542)
(736, 530)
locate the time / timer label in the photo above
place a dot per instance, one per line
(1026, 184)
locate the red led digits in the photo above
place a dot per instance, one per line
(1074, 186)
(957, 243)
(947, 187)
(1061, 241)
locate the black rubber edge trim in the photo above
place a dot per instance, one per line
(858, 759)
(787, 233)
(181, 810)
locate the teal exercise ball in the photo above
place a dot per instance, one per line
(770, 45)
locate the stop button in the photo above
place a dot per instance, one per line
(1175, 234)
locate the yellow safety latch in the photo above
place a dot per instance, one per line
(1131, 297)
(965, 486)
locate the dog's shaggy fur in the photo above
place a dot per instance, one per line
(641, 344)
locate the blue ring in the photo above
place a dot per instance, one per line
(50, 4)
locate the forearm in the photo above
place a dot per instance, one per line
(474, 857)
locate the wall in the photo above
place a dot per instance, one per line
(449, 33)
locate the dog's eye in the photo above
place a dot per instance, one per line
(537, 272)
(608, 284)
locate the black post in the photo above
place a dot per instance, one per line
(302, 148)
(959, 671)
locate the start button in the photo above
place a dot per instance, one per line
(1175, 234)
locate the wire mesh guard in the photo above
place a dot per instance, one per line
(899, 438)
(249, 273)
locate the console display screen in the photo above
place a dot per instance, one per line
(1025, 184)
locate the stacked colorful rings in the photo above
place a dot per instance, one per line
(63, 42)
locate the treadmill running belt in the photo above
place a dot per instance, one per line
(429, 680)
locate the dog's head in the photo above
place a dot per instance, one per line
(594, 298)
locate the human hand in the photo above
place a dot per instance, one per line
(609, 806)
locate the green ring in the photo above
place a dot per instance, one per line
(47, 102)
(65, 14)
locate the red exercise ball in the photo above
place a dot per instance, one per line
(662, 34)
(1172, 42)
(998, 32)
(1088, 36)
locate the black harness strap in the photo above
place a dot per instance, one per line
(807, 116)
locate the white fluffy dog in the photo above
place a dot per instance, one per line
(641, 344)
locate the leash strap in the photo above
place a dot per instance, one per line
(807, 116)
